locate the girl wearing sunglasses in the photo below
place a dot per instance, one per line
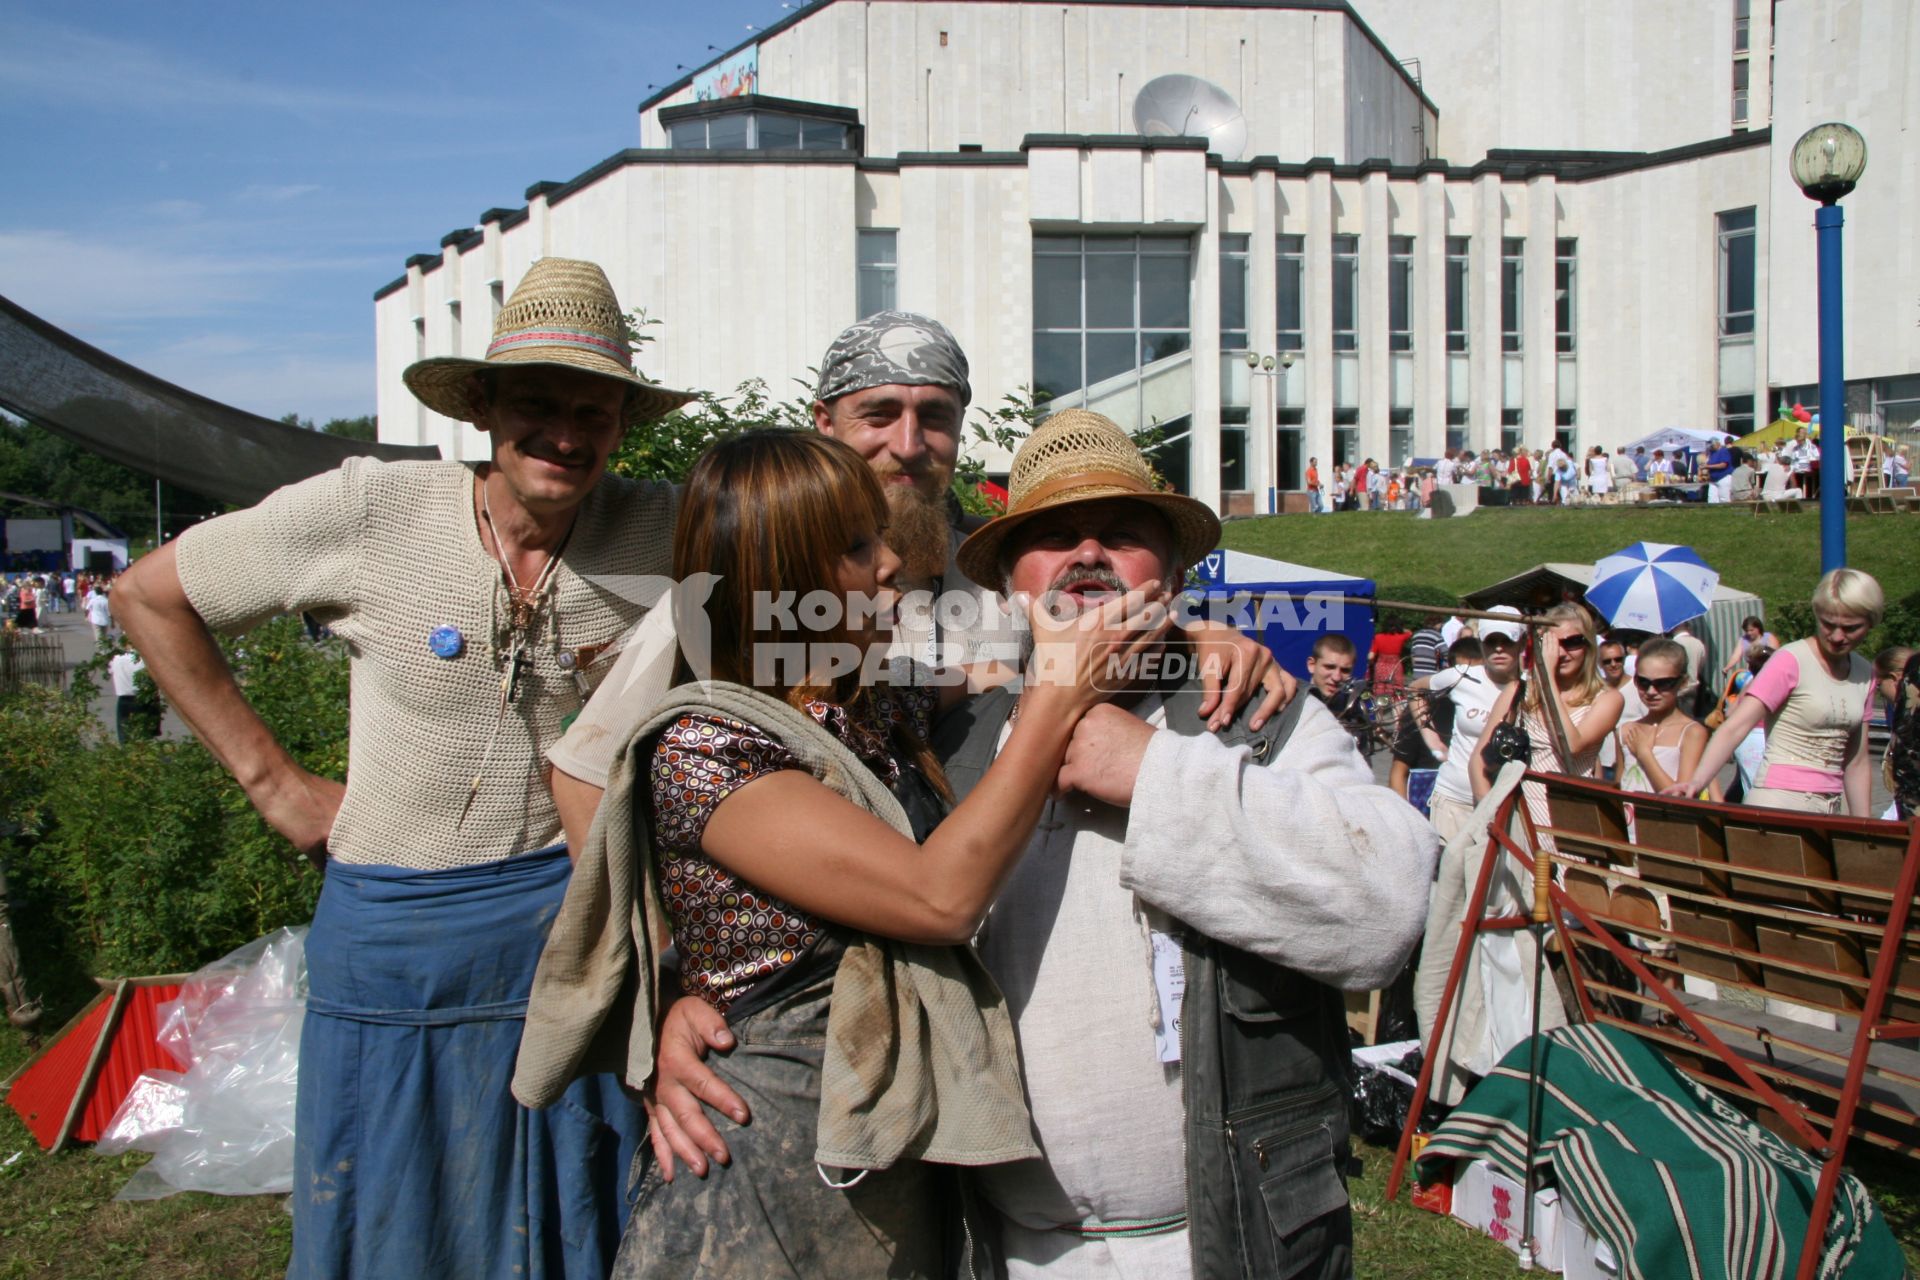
(1815, 696)
(1568, 709)
(1665, 744)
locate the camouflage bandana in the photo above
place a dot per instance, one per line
(893, 348)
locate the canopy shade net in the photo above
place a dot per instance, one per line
(54, 380)
(1288, 607)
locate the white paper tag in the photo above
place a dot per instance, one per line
(1170, 984)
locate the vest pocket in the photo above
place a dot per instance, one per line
(1287, 1164)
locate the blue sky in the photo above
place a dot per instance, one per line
(213, 191)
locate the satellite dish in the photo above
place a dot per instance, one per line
(1189, 107)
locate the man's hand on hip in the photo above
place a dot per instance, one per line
(301, 805)
(1103, 759)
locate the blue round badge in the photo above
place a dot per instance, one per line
(446, 641)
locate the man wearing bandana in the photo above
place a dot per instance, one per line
(894, 387)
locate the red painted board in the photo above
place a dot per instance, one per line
(133, 1051)
(44, 1090)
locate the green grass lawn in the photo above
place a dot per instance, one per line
(1775, 557)
(58, 1218)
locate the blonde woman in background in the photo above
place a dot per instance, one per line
(1816, 696)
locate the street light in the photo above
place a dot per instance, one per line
(1827, 163)
(1263, 367)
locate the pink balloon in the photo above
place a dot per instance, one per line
(1801, 412)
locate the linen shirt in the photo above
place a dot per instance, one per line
(1303, 860)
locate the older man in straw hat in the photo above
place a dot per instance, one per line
(468, 600)
(1173, 944)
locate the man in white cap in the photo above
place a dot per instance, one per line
(467, 597)
(1172, 943)
(1473, 691)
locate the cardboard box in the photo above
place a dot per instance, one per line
(1584, 1255)
(1491, 1202)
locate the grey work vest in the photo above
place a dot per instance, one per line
(1264, 1054)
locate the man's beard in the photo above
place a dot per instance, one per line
(917, 531)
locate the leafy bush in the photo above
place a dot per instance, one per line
(147, 858)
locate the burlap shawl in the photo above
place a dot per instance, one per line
(920, 1056)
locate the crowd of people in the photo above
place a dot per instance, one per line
(1644, 712)
(1719, 472)
(32, 598)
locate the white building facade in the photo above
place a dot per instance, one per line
(1600, 238)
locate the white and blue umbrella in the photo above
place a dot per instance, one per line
(1652, 586)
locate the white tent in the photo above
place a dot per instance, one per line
(1669, 439)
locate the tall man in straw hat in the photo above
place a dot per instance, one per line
(1173, 944)
(467, 599)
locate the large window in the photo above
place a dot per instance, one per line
(1736, 228)
(1233, 451)
(1512, 295)
(1233, 293)
(1400, 293)
(1736, 415)
(1106, 305)
(1564, 313)
(878, 263)
(1292, 282)
(704, 127)
(1346, 292)
(1742, 42)
(1457, 293)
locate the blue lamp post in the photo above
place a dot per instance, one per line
(1827, 161)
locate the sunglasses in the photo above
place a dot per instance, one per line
(1613, 662)
(1665, 684)
(1573, 643)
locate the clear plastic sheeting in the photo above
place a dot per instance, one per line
(224, 1123)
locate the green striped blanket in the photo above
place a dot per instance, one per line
(1668, 1173)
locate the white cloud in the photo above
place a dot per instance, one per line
(82, 284)
(63, 64)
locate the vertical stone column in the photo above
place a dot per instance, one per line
(1203, 445)
(1483, 312)
(1371, 314)
(1540, 362)
(1262, 306)
(1430, 315)
(1317, 303)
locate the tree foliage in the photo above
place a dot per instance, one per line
(36, 463)
(147, 858)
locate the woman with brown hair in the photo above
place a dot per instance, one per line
(785, 804)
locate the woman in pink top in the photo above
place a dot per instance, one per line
(1816, 696)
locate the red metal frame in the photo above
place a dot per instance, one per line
(1830, 1147)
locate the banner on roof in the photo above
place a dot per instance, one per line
(733, 75)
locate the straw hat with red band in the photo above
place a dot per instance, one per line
(1081, 456)
(562, 315)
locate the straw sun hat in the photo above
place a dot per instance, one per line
(1080, 456)
(562, 315)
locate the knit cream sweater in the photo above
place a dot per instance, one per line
(386, 552)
